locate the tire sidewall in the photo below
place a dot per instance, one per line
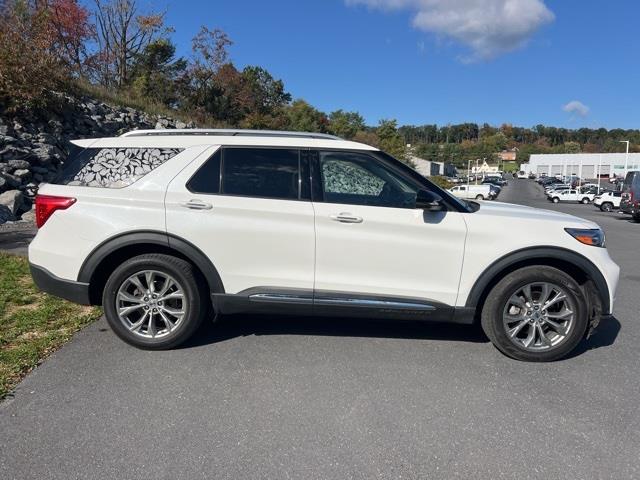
(492, 314)
(193, 300)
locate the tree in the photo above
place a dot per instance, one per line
(156, 70)
(390, 139)
(265, 92)
(123, 33)
(303, 117)
(203, 88)
(72, 32)
(31, 70)
(345, 124)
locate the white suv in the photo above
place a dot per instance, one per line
(165, 228)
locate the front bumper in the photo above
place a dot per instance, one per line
(46, 281)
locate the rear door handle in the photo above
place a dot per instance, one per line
(345, 217)
(197, 205)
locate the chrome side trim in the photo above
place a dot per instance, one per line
(361, 302)
(280, 297)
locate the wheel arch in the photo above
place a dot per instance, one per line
(108, 255)
(577, 266)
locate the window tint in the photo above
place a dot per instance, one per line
(112, 167)
(261, 172)
(207, 178)
(358, 179)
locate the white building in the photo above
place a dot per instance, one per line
(429, 168)
(585, 165)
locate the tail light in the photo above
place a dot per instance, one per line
(47, 204)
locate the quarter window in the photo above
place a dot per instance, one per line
(207, 178)
(359, 179)
(112, 167)
(261, 172)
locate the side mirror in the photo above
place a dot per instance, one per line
(429, 201)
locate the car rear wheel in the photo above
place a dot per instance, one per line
(479, 197)
(536, 314)
(585, 200)
(154, 301)
(555, 199)
(606, 207)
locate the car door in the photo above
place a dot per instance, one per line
(245, 209)
(372, 244)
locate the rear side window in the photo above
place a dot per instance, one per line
(261, 172)
(112, 167)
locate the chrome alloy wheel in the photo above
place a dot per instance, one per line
(539, 316)
(151, 304)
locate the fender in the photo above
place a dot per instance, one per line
(185, 248)
(554, 253)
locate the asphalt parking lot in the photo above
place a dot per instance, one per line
(299, 398)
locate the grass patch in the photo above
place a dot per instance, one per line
(126, 98)
(32, 324)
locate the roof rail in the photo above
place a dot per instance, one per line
(227, 132)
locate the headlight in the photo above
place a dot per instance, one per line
(588, 236)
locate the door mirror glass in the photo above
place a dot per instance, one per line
(429, 201)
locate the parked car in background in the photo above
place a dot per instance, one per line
(477, 192)
(556, 188)
(595, 189)
(570, 195)
(608, 201)
(160, 227)
(546, 181)
(522, 174)
(630, 200)
(532, 176)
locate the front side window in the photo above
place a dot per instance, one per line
(261, 172)
(359, 179)
(112, 167)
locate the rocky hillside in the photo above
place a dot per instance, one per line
(32, 149)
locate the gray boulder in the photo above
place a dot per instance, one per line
(6, 215)
(29, 216)
(18, 164)
(12, 180)
(22, 174)
(13, 200)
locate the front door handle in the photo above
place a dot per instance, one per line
(197, 205)
(345, 217)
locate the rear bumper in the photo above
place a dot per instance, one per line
(46, 281)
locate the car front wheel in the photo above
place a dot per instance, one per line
(479, 197)
(154, 301)
(585, 200)
(555, 199)
(536, 314)
(606, 207)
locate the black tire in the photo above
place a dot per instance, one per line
(636, 218)
(191, 283)
(555, 199)
(492, 313)
(585, 200)
(606, 207)
(479, 197)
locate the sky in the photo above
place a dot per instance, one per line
(567, 63)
